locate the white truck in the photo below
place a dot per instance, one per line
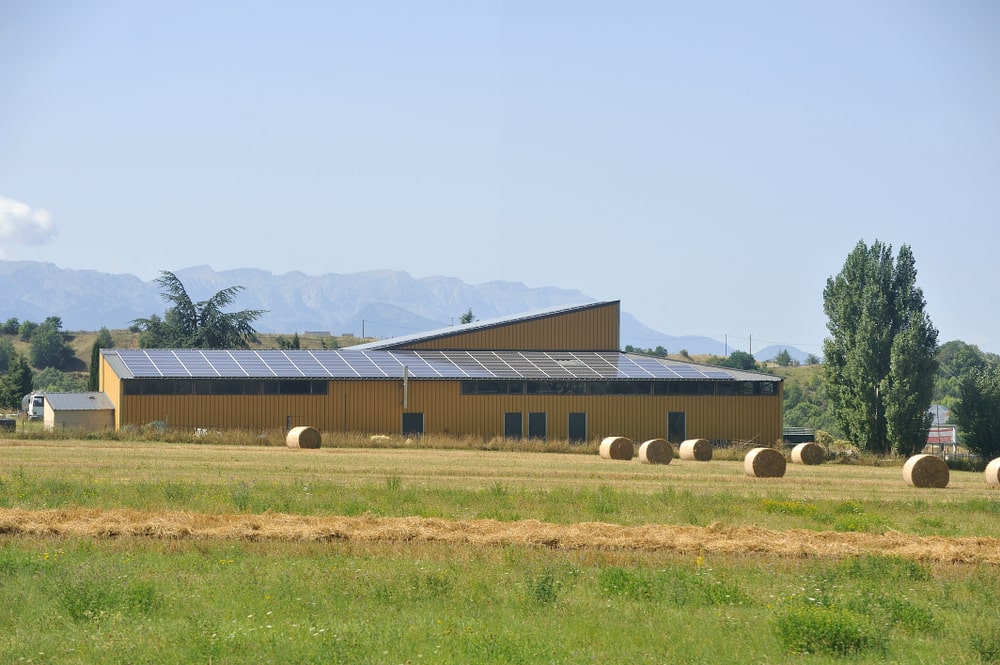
(33, 405)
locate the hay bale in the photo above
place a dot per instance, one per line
(993, 473)
(699, 450)
(617, 447)
(764, 463)
(925, 471)
(808, 453)
(656, 451)
(303, 437)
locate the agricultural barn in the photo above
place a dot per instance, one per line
(88, 411)
(554, 374)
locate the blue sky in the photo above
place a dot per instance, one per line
(710, 164)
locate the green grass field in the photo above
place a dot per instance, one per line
(126, 552)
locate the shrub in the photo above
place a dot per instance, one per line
(825, 630)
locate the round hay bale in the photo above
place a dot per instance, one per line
(656, 451)
(303, 437)
(925, 471)
(764, 463)
(699, 450)
(993, 473)
(617, 447)
(808, 453)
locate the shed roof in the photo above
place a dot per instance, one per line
(79, 402)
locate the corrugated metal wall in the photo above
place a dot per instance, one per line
(591, 329)
(376, 407)
(639, 417)
(110, 384)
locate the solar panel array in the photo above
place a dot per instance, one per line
(378, 364)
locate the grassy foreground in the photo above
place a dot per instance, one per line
(100, 593)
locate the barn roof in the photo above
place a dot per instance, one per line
(354, 363)
(79, 401)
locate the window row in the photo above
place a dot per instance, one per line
(501, 387)
(223, 387)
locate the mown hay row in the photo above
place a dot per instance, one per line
(276, 527)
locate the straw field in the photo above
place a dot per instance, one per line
(152, 552)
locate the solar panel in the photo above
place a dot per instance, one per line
(308, 365)
(388, 365)
(335, 364)
(195, 363)
(138, 363)
(417, 366)
(167, 363)
(252, 364)
(376, 364)
(279, 363)
(223, 363)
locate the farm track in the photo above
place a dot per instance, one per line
(745, 541)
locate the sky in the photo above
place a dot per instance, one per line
(709, 164)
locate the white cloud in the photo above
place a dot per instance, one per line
(20, 224)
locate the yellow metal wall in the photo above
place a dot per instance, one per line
(109, 384)
(369, 406)
(376, 407)
(591, 329)
(639, 417)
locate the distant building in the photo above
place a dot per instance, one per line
(86, 411)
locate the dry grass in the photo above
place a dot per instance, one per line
(109, 463)
(716, 539)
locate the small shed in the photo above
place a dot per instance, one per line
(89, 411)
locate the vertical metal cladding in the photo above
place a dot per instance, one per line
(590, 329)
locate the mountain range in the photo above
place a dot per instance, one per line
(379, 304)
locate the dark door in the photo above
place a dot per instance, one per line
(413, 423)
(536, 426)
(676, 427)
(513, 425)
(577, 427)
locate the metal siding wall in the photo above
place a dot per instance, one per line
(639, 417)
(368, 406)
(595, 329)
(111, 385)
(376, 407)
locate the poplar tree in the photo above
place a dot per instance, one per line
(880, 359)
(977, 412)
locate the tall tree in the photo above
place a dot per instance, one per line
(880, 358)
(102, 341)
(48, 345)
(16, 382)
(977, 412)
(197, 325)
